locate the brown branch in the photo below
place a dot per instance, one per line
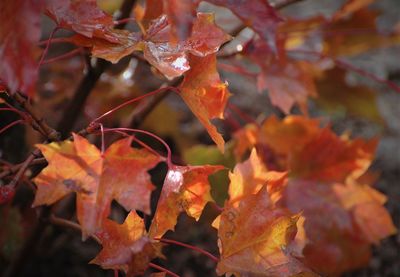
(85, 87)
(69, 224)
(38, 123)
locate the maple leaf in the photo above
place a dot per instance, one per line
(245, 139)
(289, 134)
(311, 152)
(328, 157)
(340, 241)
(185, 189)
(171, 58)
(78, 166)
(338, 42)
(255, 238)
(19, 33)
(205, 94)
(258, 15)
(351, 6)
(181, 15)
(83, 17)
(126, 247)
(335, 95)
(110, 51)
(250, 176)
(288, 81)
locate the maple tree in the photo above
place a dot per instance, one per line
(276, 195)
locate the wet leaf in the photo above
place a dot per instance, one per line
(185, 189)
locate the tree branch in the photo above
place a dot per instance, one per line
(85, 87)
(38, 123)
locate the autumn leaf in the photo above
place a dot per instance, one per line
(348, 36)
(341, 241)
(181, 14)
(110, 51)
(126, 247)
(335, 95)
(288, 82)
(171, 59)
(289, 134)
(185, 189)
(351, 6)
(250, 176)
(328, 157)
(258, 15)
(205, 94)
(255, 239)
(19, 34)
(83, 17)
(150, 11)
(78, 166)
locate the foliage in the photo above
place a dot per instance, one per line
(298, 199)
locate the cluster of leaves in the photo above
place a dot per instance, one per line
(300, 199)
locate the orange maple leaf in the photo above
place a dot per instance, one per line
(126, 247)
(78, 166)
(205, 94)
(185, 189)
(250, 176)
(356, 218)
(255, 239)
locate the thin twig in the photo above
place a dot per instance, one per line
(162, 269)
(69, 224)
(202, 251)
(38, 122)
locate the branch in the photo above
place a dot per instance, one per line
(38, 123)
(75, 106)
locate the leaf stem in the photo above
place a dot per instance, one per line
(136, 99)
(241, 114)
(64, 56)
(19, 121)
(162, 269)
(169, 152)
(202, 251)
(351, 67)
(46, 49)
